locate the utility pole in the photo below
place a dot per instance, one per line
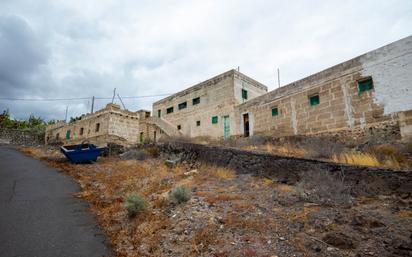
(124, 107)
(278, 78)
(114, 94)
(65, 117)
(92, 104)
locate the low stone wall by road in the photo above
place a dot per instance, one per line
(22, 137)
(362, 179)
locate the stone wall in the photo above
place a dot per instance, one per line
(342, 105)
(362, 179)
(22, 137)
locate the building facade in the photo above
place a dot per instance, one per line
(371, 91)
(110, 124)
(207, 109)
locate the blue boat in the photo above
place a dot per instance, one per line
(84, 152)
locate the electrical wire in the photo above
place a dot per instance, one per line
(76, 98)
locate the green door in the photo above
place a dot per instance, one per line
(68, 134)
(226, 127)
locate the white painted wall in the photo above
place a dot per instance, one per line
(391, 71)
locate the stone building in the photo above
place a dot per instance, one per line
(207, 109)
(370, 92)
(110, 124)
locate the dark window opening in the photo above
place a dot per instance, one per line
(196, 101)
(81, 131)
(198, 123)
(179, 127)
(214, 120)
(182, 105)
(141, 137)
(365, 85)
(159, 113)
(169, 110)
(275, 111)
(57, 136)
(244, 94)
(246, 124)
(314, 100)
(147, 114)
(97, 127)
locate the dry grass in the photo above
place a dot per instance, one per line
(204, 237)
(207, 171)
(211, 199)
(404, 214)
(286, 150)
(367, 159)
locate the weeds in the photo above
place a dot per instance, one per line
(134, 204)
(180, 194)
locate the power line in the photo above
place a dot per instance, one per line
(76, 98)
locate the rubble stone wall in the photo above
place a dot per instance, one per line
(290, 170)
(22, 137)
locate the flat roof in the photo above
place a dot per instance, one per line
(210, 82)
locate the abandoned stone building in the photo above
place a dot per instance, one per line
(110, 124)
(370, 92)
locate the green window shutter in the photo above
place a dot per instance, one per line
(159, 112)
(196, 101)
(365, 85)
(275, 111)
(314, 100)
(244, 94)
(214, 120)
(68, 134)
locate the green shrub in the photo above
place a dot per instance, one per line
(134, 204)
(180, 194)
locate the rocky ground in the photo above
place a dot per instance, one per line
(236, 215)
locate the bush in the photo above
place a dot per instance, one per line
(153, 151)
(134, 204)
(323, 187)
(180, 194)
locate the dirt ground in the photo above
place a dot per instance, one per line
(235, 215)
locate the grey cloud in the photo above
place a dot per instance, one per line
(21, 54)
(58, 49)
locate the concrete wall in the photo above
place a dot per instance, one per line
(341, 105)
(218, 96)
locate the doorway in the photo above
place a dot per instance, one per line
(246, 124)
(226, 127)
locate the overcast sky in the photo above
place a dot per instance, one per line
(81, 48)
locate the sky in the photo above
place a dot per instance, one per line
(58, 49)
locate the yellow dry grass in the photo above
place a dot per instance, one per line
(366, 159)
(208, 171)
(286, 150)
(404, 214)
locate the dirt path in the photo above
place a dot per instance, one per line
(39, 215)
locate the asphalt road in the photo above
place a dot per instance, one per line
(39, 215)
